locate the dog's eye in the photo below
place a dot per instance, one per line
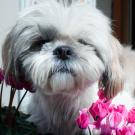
(81, 41)
(37, 45)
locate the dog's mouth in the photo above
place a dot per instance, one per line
(61, 70)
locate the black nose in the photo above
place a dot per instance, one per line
(63, 52)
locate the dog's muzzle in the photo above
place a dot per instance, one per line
(63, 54)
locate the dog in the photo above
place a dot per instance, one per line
(66, 50)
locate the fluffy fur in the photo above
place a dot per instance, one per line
(63, 87)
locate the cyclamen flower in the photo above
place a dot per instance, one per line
(119, 108)
(101, 94)
(126, 130)
(116, 119)
(19, 85)
(26, 84)
(109, 119)
(117, 116)
(104, 127)
(12, 82)
(99, 109)
(1, 75)
(131, 115)
(83, 120)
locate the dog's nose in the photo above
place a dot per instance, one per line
(63, 52)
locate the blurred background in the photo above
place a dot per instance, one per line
(119, 11)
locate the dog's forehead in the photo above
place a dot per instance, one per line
(73, 20)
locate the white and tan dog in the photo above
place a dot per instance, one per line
(65, 49)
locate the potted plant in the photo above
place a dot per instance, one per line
(13, 121)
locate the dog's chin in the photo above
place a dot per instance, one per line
(62, 82)
(66, 83)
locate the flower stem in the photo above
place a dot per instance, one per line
(21, 101)
(89, 130)
(1, 91)
(12, 93)
(10, 117)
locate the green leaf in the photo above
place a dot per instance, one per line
(21, 127)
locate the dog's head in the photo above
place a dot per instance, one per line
(63, 49)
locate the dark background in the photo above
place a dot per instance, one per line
(133, 23)
(121, 12)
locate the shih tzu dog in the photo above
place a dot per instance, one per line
(66, 50)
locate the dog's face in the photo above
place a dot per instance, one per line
(62, 49)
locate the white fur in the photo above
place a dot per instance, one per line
(60, 95)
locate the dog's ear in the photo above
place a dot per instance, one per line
(113, 77)
(8, 60)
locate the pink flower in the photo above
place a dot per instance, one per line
(105, 128)
(26, 84)
(120, 108)
(131, 115)
(117, 116)
(126, 130)
(99, 109)
(109, 119)
(101, 94)
(115, 119)
(28, 87)
(13, 83)
(83, 120)
(19, 85)
(1, 75)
